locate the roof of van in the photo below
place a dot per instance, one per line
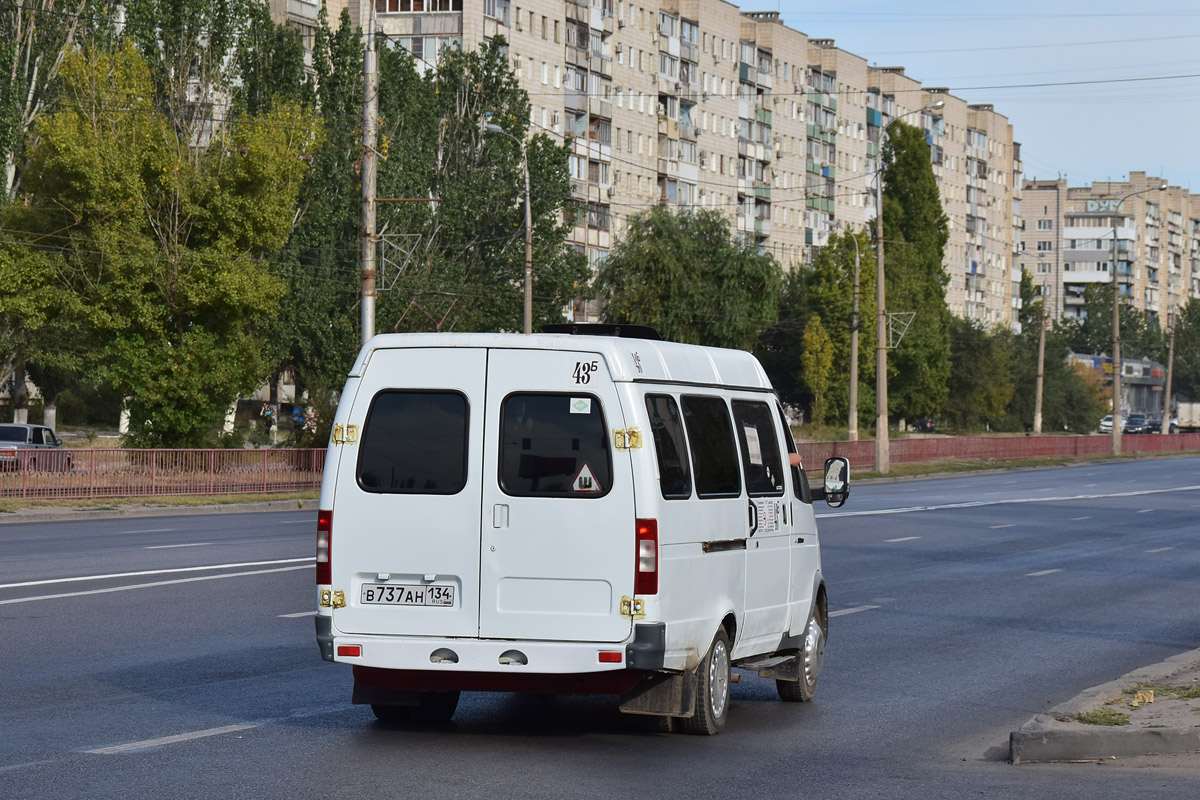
(627, 359)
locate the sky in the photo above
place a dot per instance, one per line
(1081, 131)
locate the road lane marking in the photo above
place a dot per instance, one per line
(172, 546)
(1007, 525)
(854, 610)
(25, 765)
(904, 539)
(1160, 549)
(1040, 574)
(297, 616)
(147, 744)
(114, 575)
(131, 587)
(1013, 501)
(1145, 511)
(1090, 485)
(1079, 519)
(153, 530)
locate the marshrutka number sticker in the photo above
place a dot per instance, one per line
(583, 371)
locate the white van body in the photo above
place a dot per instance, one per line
(563, 513)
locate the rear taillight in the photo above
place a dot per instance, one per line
(646, 578)
(324, 540)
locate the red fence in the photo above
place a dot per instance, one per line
(999, 448)
(151, 473)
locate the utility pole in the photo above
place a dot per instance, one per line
(1041, 373)
(1166, 418)
(852, 433)
(369, 162)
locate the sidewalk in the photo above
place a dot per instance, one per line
(1167, 724)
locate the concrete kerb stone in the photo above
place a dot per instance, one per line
(1057, 736)
(78, 514)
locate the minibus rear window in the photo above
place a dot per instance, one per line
(760, 448)
(414, 442)
(713, 451)
(554, 445)
(674, 474)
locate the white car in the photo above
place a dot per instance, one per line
(1106, 424)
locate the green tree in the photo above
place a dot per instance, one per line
(915, 232)
(982, 381)
(817, 361)
(1185, 383)
(162, 245)
(681, 273)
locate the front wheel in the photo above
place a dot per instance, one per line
(712, 698)
(812, 658)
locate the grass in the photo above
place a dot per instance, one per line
(1165, 692)
(1103, 716)
(113, 503)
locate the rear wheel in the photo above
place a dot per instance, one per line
(812, 657)
(712, 698)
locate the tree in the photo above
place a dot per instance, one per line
(162, 244)
(1185, 382)
(915, 232)
(681, 273)
(982, 381)
(817, 360)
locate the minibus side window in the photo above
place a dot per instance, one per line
(714, 454)
(414, 442)
(799, 479)
(674, 473)
(554, 445)
(760, 449)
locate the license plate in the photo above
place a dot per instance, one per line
(407, 594)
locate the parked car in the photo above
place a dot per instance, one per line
(1155, 425)
(15, 438)
(925, 425)
(1136, 423)
(1106, 424)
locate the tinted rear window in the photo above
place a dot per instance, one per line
(414, 443)
(674, 476)
(713, 452)
(554, 445)
(12, 434)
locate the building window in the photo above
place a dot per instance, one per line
(1045, 246)
(1045, 224)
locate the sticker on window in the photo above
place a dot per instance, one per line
(752, 445)
(585, 481)
(581, 405)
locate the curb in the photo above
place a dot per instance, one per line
(1045, 738)
(76, 514)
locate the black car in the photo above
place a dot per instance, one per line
(1136, 423)
(1155, 426)
(925, 425)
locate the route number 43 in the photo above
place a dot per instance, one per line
(583, 371)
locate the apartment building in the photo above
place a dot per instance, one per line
(1069, 243)
(697, 103)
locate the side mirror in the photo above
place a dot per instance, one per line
(837, 481)
(58, 442)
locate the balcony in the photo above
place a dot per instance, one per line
(746, 73)
(599, 108)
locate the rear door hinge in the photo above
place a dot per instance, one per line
(627, 438)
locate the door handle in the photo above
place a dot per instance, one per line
(499, 516)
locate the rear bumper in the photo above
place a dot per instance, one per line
(644, 650)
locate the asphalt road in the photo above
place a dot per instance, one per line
(174, 656)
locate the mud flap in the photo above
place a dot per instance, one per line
(663, 694)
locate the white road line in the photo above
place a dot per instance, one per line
(115, 575)
(131, 587)
(1013, 501)
(153, 530)
(1160, 549)
(1145, 511)
(25, 765)
(1006, 525)
(1079, 519)
(173, 546)
(854, 610)
(904, 539)
(297, 616)
(1090, 485)
(1043, 572)
(146, 744)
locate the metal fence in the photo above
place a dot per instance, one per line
(987, 448)
(99, 473)
(73, 474)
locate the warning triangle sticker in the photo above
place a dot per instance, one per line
(585, 481)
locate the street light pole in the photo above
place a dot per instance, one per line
(1166, 422)
(528, 326)
(1116, 401)
(882, 445)
(852, 433)
(1041, 368)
